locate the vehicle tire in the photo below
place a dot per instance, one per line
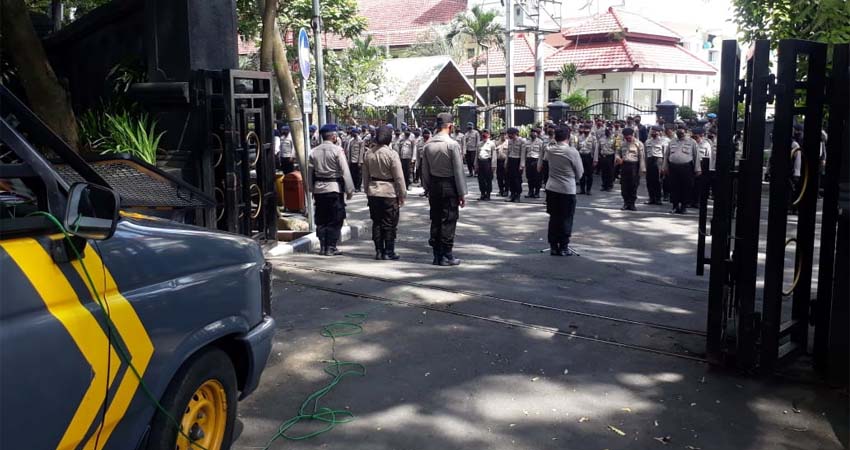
(202, 398)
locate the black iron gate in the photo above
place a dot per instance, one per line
(746, 325)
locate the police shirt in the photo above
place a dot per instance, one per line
(442, 158)
(587, 146)
(516, 148)
(605, 145)
(682, 151)
(565, 168)
(383, 163)
(534, 148)
(287, 149)
(471, 140)
(486, 149)
(502, 150)
(356, 149)
(327, 161)
(406, 147)
(655, 147)
(632, 152)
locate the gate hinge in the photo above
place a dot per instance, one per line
(770, 88)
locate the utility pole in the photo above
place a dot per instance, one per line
(509, 72)
(320, 67)
(539, 77)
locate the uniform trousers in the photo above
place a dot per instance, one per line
(701, 183)
(561, 209)
(532, 175)
(471, 157)
(544, 174)
(405, 170)
(417, 172)
(330, 214)
(681, 183)
(384, 214)
(514, 177)
(356, 174)
(443, 199)
(586, 180)
(653, 178)
(629, 181)
(502, 175)
(485, 176)
(606, 169)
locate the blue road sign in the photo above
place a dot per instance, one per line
(304, 53)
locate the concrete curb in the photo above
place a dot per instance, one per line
(352, 230)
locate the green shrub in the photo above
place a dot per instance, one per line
(577, 101)
(687, 113)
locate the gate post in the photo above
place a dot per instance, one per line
(558, 111)
(667, 111)
(467, 112)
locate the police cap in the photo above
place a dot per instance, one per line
(628, 131)
(329, 128)
(698, 130)
(444, 119)
(513, 130)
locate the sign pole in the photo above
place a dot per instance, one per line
(306, 108)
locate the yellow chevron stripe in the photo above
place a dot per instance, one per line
(64, 304)
(135, 338)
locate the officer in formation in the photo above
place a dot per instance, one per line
(420, 152)
(656, 147)
(630, 156)
(502, 164)
(331, 179)
(406, 145)
(356, 150)
(442, 172)
(589, 151)
(471, 141)
(385, 191)
(486, 162)
(669, 135)
(565, 166)
(704, 159)
(549, 141)
(515, 164)
(315, 138)
(534, 148)
(607, 153)
(681, 164)
(286, 152)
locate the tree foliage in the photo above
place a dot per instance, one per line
(576, 100)
(687, 113)
(435, 42)
(482, 27)
(823, 20)
(351, 75)
(568, 74)
(338, 16)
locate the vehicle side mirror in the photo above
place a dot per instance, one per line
(92, 211)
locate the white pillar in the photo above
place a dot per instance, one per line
(509, 72)
(539, 79)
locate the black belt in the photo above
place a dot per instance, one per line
(338, 180)
(388, 180)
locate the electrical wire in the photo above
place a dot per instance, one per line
(111, 329)
(338, 370)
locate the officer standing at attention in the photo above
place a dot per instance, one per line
(486, 160)
(315, 139)
(442, 172)
(631, 157)
(287, 151)
(548, 141)
(534, 148)
(501, 164)
(420, 151)
(395, 145)
(516, 163)
(417, 149)
(471, 140)
(655, 149)
(589, 151)
(607, 153)
(385, 190)
(405, 149)
(565, 166)
(356, 150)
(330, 178)
(680, 164)
(669, 135)
(705, 162)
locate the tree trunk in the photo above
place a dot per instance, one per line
(46, 96)
(278, 63)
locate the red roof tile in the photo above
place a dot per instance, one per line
(523, 57)
(399, 23)
(628, 55)
(618, 21)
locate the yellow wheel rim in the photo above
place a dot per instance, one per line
(205, 418)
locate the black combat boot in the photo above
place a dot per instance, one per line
(555, 250)
(565, 249)
(437, 257)
(323, 248)
(332, 250)
(449, 260)
(390, 253)
(379, 250)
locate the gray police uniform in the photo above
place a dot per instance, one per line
(681, 164)
(385, 186)
(606, 160)
(655, 150)
(588, 149)
(356, 150)
(406, 148)
(534, 149)
(516, 154)
(471, 141)
(565, 166)
(442, 173)
(331, 179)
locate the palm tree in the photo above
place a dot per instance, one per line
(482, 27)
(568, 74)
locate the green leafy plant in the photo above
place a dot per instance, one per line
(687, 113)
(463, 98)
(577, 101)
(568, 74)
(711, 103)
(132, 135)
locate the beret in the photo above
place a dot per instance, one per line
(329, 128)
(628, 131)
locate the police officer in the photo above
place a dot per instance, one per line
(589, 151)
(502, 164)
(315, 139)
(701, 184)
(630, 157)
(385, 190)
(471, 140)
(681, 164)
(442, 172)
(406, 147)
(287, 151)
(486, 161)
(330, 178)
(667, 137)
(395, 145)
(641, 131)
(548, 141)
(534, 148)
(516, 164)
(656, 146)
(356, 150)
(420, 151)
(607, 153)
(565, 166)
